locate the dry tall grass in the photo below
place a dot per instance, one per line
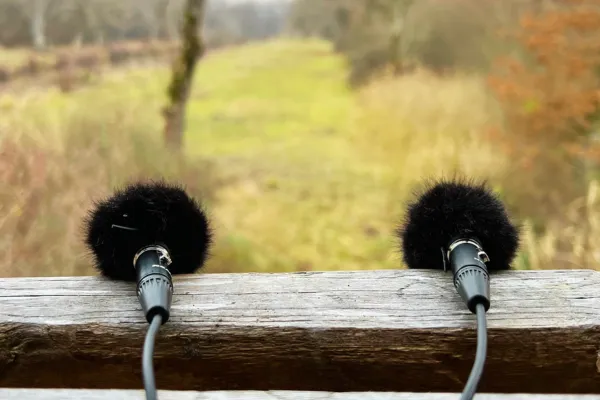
(569, 242)
(423, 125)
(48, 185)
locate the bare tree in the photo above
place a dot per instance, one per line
(38, 23)
(183, 73)
(398, 15)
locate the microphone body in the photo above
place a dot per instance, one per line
(154, 282)
(470, 273)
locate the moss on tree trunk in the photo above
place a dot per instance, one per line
(183, 73)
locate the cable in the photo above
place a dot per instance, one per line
(147, 366)
(480, 355)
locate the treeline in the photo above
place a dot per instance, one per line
(441, 35)
(43, 23)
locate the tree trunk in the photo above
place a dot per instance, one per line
(38, 24)
(398, 22)
(183, 72)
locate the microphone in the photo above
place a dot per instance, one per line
(145, 233)
(462, 226)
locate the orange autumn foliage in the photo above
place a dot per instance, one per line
(550, 96)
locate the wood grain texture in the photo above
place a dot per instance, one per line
(82, 394)
(400, 331)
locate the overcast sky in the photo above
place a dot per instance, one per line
(255, 1)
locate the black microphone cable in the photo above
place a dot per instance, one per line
(147, 365)
(480, 355)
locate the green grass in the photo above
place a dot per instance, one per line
(275, 98)
(282, 125)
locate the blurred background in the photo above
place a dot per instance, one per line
(308, 125)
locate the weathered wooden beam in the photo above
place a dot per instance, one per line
(87, 394)
(401, 331)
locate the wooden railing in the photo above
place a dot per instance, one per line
(405, 332)
(75, 394)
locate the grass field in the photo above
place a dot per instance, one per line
(316, 175)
